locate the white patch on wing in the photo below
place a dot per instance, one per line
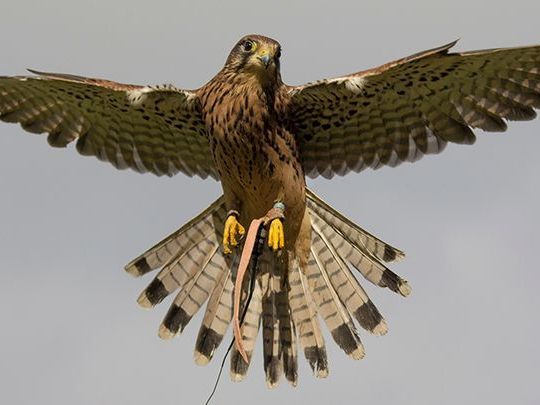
(137, 96)
(355, 84)
(189, 95)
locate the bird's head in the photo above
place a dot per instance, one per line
(256, 55)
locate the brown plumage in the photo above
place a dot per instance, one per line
(260, 138)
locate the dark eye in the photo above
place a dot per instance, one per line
(248, 46)
(278, 53)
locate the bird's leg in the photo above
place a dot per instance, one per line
(233, 231)
(275, 217)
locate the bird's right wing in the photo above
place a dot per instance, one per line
(148, 129)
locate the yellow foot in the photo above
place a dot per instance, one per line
(232, 230)
(276, 237)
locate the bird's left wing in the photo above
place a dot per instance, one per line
(410, 107)
(149, 129)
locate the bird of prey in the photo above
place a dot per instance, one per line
(260, 137)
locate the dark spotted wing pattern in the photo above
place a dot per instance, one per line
(148, 129)
(411, 107)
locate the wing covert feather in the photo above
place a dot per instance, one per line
(148, 129)
(413, 106)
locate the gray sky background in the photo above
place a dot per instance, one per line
(468, 219)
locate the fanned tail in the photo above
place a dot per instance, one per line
(288, 294)
(306, 321)
(279, 334)
(362, 250)
(349, 290)
(287, 332)
(330, 306)
(217, 317)
(189, 235)
(270, 321)
(192, 261)
(336, 245)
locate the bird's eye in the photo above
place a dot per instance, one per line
(278, 53)
(249, 46)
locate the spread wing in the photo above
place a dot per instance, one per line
(148, 129)
(411, 107)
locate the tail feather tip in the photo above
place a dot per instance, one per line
(271, 384)
(201, 359)
(391, 254)
(358, 353)
(138, 267)
(380, 329)
(237, 377)
(321, 373)
(404, 288)
(293, 380)
(153, 294)
(165, 333)
(143, 301)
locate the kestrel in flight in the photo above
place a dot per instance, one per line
(260, 137)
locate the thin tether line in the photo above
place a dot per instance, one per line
(254, 262)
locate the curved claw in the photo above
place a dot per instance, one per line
(276, 236)
(232, 233)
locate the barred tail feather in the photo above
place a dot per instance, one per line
(193, 263)
(193, 295)
(177, 272)
(336, 243)
(349, 291)
(288, 294)
(304, 316)
(178, 242)
(336, 316)
(362, 250)
(287, 332)
(352, 232)
(218, 316)
(270, 324)
(368, 265)
(279, 339)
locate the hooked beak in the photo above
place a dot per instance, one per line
(265, 59)
(265, 55)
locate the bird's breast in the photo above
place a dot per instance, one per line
(256, 157)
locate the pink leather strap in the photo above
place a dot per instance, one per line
(275, 213)
(249, 244)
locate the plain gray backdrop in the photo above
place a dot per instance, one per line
(71, 332)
